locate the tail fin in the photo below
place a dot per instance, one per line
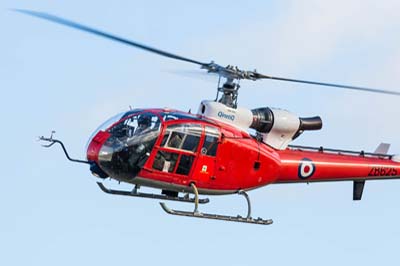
(358, 185)
(383, 148)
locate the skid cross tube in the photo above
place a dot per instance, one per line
(197, 214)
(196, 198)
(242, 192)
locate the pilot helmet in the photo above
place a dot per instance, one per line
(144, 120)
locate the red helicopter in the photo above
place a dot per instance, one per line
(222, 149)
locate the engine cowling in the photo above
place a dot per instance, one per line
(279, 127)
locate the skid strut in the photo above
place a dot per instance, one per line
(135, 193)
(197, 214)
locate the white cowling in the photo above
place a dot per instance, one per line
(239, 117)
(277, 127)
(284, 128)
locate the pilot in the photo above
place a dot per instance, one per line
(144, 122)
(175, 140)
(139, 152)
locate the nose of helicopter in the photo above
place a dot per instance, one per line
(95, 144)
(122, 150)
(93, 151)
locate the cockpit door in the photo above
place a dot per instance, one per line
(175, 157)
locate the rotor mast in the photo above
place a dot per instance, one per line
(230, 91)
(230, 88)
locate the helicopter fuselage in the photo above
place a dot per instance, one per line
(177, 149)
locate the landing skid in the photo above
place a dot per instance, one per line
(238, 218)
(135, 193)
(197, 214)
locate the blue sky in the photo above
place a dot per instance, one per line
(55, 78)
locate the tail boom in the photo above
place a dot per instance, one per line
(320, 166)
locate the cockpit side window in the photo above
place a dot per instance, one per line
(182, 136)
(165, 161)
(185, 164)
(210, 143)
(191, 142)
(175, 141)
(177, 148)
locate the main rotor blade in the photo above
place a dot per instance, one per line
(261, 76)
(78, 26)
(228, 72)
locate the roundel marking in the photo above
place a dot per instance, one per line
(306, 168)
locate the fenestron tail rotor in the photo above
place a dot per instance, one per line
(231, 73)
